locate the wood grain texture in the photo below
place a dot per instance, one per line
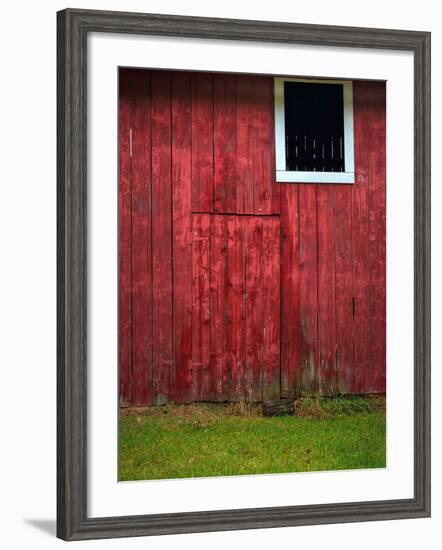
(330, 239)
(200, 306)
(326, 290)
(270, 273)
(245, 113)
(254, 309)
(344, 288)
(181, 236)
(275, 190)
(263, 177)
(278, 407)
(124, 238)
(362, 339)
(161, 236)
(257, 191)
(224, 120)
(308, 289)
(236, 315)
(73, 522)
(202, 142)
(221, 380)
(290, 291)
(376, 184)
(141, 241)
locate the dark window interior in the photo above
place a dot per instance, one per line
(314, 127)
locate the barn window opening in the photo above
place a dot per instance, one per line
(314, 115)
(314, 131)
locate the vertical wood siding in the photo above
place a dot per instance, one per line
(141, 213)
(181, 235)
(125, 112)
(161, 152)
(290, 291)
(232, 286)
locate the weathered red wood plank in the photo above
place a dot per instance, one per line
(271, 309)
(363, 364)
(182, 237)
(224, 93)
(124, 239)
(208, 291)
(236, 337)
(263, 174)
(254, 317)
(308, 288)
(344, 288)
(161, 236)
(326, 289)
(276, 188)
(218, 309)
(201, 307)
(377, 234)
(290, 289)
(245, 113)
(202, 142)
(141, 242)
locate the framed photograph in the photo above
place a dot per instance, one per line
(243, 274)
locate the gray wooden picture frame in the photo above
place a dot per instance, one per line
(73, 27)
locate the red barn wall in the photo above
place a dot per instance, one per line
(233, 286)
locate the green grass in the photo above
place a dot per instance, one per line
(216, 440)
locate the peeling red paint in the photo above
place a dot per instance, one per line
(233, 286)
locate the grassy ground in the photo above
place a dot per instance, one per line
(220, 440)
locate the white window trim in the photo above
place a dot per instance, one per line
(283, 175)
